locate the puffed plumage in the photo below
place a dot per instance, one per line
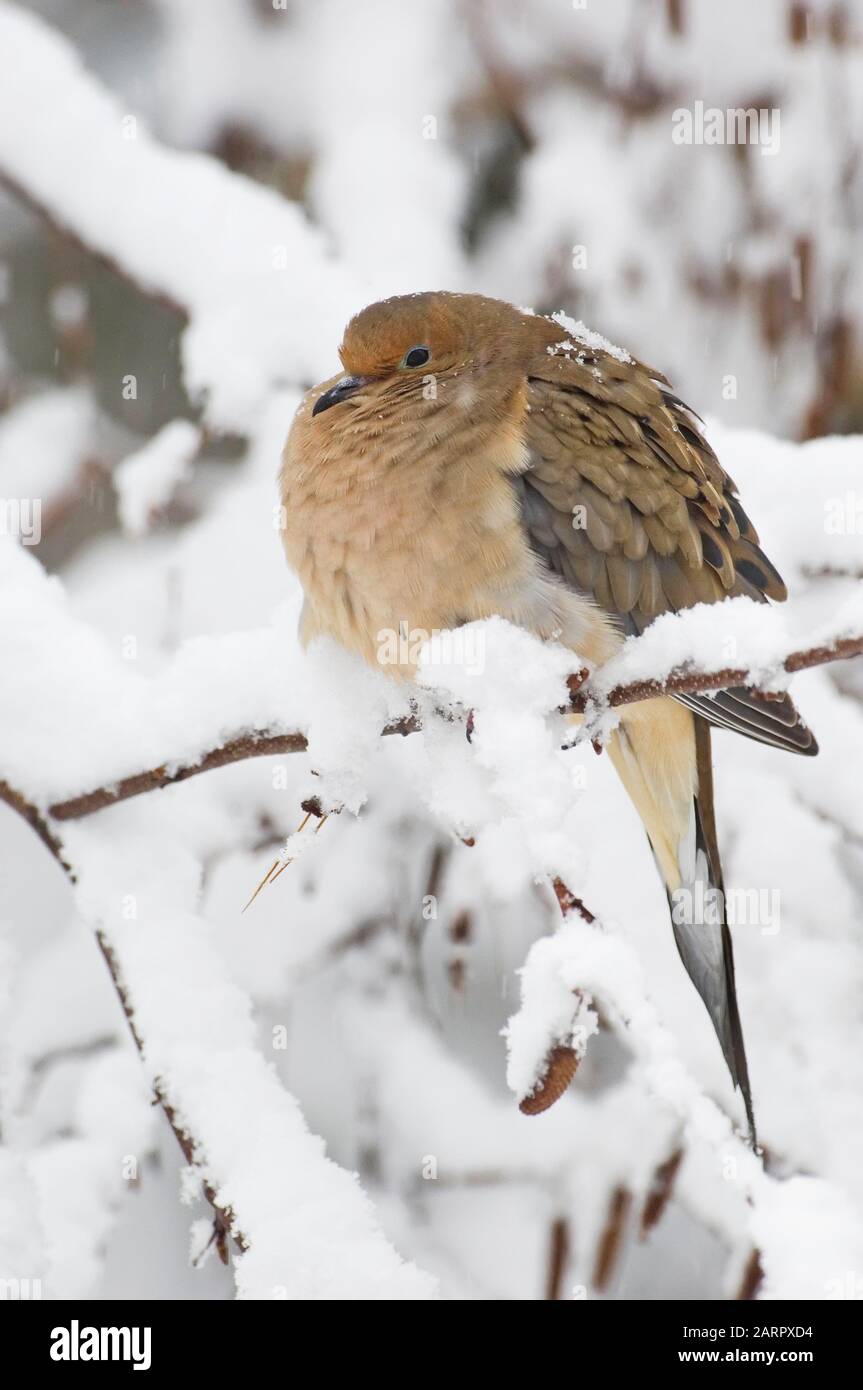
(520, 472)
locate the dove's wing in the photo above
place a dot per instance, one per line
(626, 501)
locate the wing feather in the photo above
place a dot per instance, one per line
(625, 499)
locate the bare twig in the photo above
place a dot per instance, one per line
(753, 1278)
(235, 750)
(568, 902)
(267, 744)
(34, 818)
(659, 1194)
(610, 1241)
(558, 1258)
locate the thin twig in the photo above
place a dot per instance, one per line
(752, 1279)
(690, 682)
(611, 1239)
(660, 1191)
(235, 750)
(558, 1258)
(34, 818)
(225, 1220)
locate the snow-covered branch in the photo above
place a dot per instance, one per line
(241, 264)
(243, 1138)
(250, 744)
(581, 965)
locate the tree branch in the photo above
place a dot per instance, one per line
(28, 199)
(261, 745)
(258, 745)
(235, 750)
(687, 681)
(34, 818)
(224, 1219)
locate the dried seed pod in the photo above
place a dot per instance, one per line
(560, 1067)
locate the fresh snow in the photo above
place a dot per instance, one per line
(335, 1053)
(147, 480)
(586, 338)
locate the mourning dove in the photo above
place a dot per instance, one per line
(475, 460)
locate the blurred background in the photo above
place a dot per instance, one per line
(521, 149)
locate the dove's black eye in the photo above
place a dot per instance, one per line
(416, 357)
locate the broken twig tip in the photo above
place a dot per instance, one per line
(577, 679)
(568, 902)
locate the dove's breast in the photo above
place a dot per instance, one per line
(391, 550)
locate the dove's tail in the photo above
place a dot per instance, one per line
(662, 754)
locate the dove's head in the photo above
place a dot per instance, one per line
(418, 354)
